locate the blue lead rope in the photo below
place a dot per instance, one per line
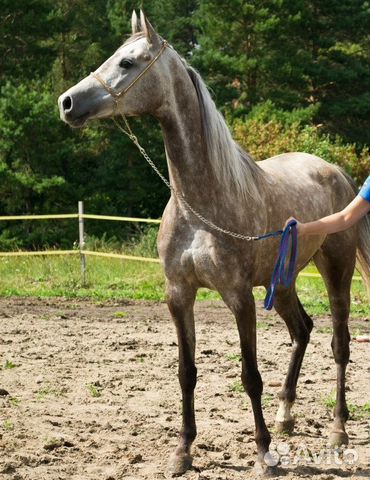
(289, 237)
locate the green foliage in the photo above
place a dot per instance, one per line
(140, 242)
(8, 425)
(263, 140)
(94, 389)
(237, 387)
(295, 53)
(9, 365)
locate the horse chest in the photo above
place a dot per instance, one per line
(198, 259)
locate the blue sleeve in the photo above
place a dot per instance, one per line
(365, 190)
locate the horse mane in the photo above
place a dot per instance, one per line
(232, 165)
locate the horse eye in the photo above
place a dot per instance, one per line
(126, 63)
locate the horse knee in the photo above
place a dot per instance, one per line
(303, 337)
(340, 346)
(252, 382)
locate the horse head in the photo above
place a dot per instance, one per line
(128, 82)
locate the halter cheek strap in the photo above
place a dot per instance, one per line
(116, 95)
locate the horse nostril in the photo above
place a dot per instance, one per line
(67, 104)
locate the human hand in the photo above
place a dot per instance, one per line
(300, 226)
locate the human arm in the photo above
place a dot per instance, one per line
(336, 222)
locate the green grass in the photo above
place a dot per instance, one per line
(116, 279)
(120, 315)
(329, 401)
(267, 399)
(14, 401)
(8, 425)
(94, 390)
(234, 357)
(237, 387)
(359, 412)
(47, 391)
(356, 412)
(9, 365)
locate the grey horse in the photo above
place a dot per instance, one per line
(212, 174)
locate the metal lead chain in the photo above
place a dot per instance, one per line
(177, 194)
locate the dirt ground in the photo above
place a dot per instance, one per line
(93, 394)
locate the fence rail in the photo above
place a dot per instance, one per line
(81, 216)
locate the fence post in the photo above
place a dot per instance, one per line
(82, 242)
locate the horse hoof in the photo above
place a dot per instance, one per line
(262, 470)
(286, 426)
(338, 438)
(179, 464)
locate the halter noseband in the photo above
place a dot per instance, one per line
(116, 95)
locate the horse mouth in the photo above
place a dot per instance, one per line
(79, 121)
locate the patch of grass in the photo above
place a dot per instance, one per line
(94, 390)
(237, 387)
(356, 412)
(53, 443)
(245, 405)
(14, 401)
(359, 412)
(267, 399)
(329, 401)
(43, 392)
(9, 365)
(47, 390)
(325, 330)
(262, 325)
(357, 330)
(234, 357)
(120, 314)
(8, 425)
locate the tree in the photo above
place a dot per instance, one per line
(295, 53)
(25, 30)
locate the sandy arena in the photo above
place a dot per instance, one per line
(94, 394)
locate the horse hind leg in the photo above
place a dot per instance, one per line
(180, 300)
(337, 271)
(299, 325)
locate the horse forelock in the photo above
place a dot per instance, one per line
(133, 37)
(232, 165)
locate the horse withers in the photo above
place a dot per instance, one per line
(212, 174)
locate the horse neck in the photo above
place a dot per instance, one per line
(189, 168)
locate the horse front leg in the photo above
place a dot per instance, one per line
(243, 307)
(180, 300)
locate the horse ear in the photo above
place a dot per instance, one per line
(135, 25)
(149, 32)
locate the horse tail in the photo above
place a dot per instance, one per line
(363, 252)
(363, 247)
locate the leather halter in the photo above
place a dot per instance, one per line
(117, 95)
